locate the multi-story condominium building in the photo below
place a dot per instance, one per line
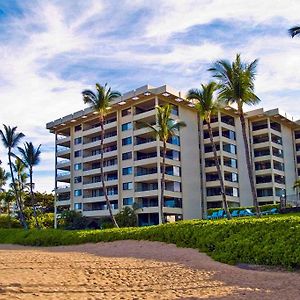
(132, 158)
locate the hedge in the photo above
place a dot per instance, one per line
(265, 241)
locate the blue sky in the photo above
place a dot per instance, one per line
(52, 50)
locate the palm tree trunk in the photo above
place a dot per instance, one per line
(102, 175)
(249, 165)
(22, 219)
(163, 183)
(32, 200)
(223, 192)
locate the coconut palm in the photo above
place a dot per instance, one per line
(100, 102)
(294, 31)
(207, 106)
(3, 178)
(164, 129)
(31, 157)
(236, 81)
(19, 169)
(11, 138)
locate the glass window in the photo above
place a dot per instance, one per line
(126, 155)
(77, 179)
(128, 201)
(77, 141)
(229, 148)
(78, 127)
(279, 192)
(230, 162)
(77, 206)
(127, 141)
(278, 165)
(228, 120)
(127, 186)
(229, 134)
(174, 110)
(277, 152)
(297, 134)
(276, 126)
(126, 126)
(127, 171)
(77, 153)
(175, 140)
(264, 192)
(259, 125)
(77, 167)
(77, 193)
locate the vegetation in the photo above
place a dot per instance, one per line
(11, 138)
(100, 102)
(165, 128)
(207, 106)
(236, 81)
(294, 31)
(72, 220)
(30, 158)
(127, 217)
(266, 241)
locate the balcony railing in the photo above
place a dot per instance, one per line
(61, 174)
(61, 149)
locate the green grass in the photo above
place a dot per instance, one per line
(271, 240)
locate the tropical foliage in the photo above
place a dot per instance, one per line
(236, 81)
(293, 31)
(207, 107)
(100, 101)
(165, 128)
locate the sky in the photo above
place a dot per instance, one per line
(52, 50)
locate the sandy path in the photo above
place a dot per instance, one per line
(132, 270)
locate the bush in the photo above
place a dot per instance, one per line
(267, 241)
(9, 222)
(126, 217)
(45, 220)
(72, 220)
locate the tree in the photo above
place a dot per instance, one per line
(3, 178)
(236, 81)
(297, 187)
(7, 198)
(42, 200)
(100, 102)
(31, 157)
(11, 138)
(20, 169)
(207, 106)
(164, 130)
(294, 31)
(127, 217)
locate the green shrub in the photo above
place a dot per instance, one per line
(9, 222)
(45, 220)
(267, 241)
(126, 217)
(72, 220)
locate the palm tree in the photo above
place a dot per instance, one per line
(7, 197)
(19, 168)
(237, 87)
(11, 138)
(100, 102)
(31, 157)
(294, 31)
(207, 106)
(297, 187)
(3, 178)
(164, 130)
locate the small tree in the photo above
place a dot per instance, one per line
(127, 217)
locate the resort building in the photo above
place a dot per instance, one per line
(133, 159)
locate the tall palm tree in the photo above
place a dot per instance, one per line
(294, 31)
(236, 81)
(165, 128)
(207, 106)
(100, 102)
(31, 157)
(11, 138)
(3, 178)
(19, 168)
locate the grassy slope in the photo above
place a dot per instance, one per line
(273, 240)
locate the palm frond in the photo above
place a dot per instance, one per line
(293, 31)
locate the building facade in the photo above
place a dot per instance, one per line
(132, 158)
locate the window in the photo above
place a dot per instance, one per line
(128, 201)
(173, 154)
(261, 152)
(279, 179)
(278, 165)
(277, 152)
(279, 192)
(126, 112)
(127, 171)
(77, 193)
(127, 141)
(263, 179)
(264, 192)
(212, 176)
(77, 179)
(174, 110)
(208, 148)
(229, 148)
(175, 140)
(126, 126)
(77, 141)
(263, 165)
(77, 206)
(297, 134)
(230, 162)
(276, 139)
(127, 186)
(78, 127)
(112, 190)
(259, 125)
(229, 134)
(260, 138)
(77, 167)
(276, 126)
(228, 120)
(233, 177)
(126, 155)
(77, 153)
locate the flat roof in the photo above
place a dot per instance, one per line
(131, 96)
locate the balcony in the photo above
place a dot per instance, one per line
(63, 141)
(63, 164)
(63, 175)
(62, 151)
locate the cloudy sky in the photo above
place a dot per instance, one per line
(51, 50)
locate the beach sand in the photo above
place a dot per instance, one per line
(133, 270)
